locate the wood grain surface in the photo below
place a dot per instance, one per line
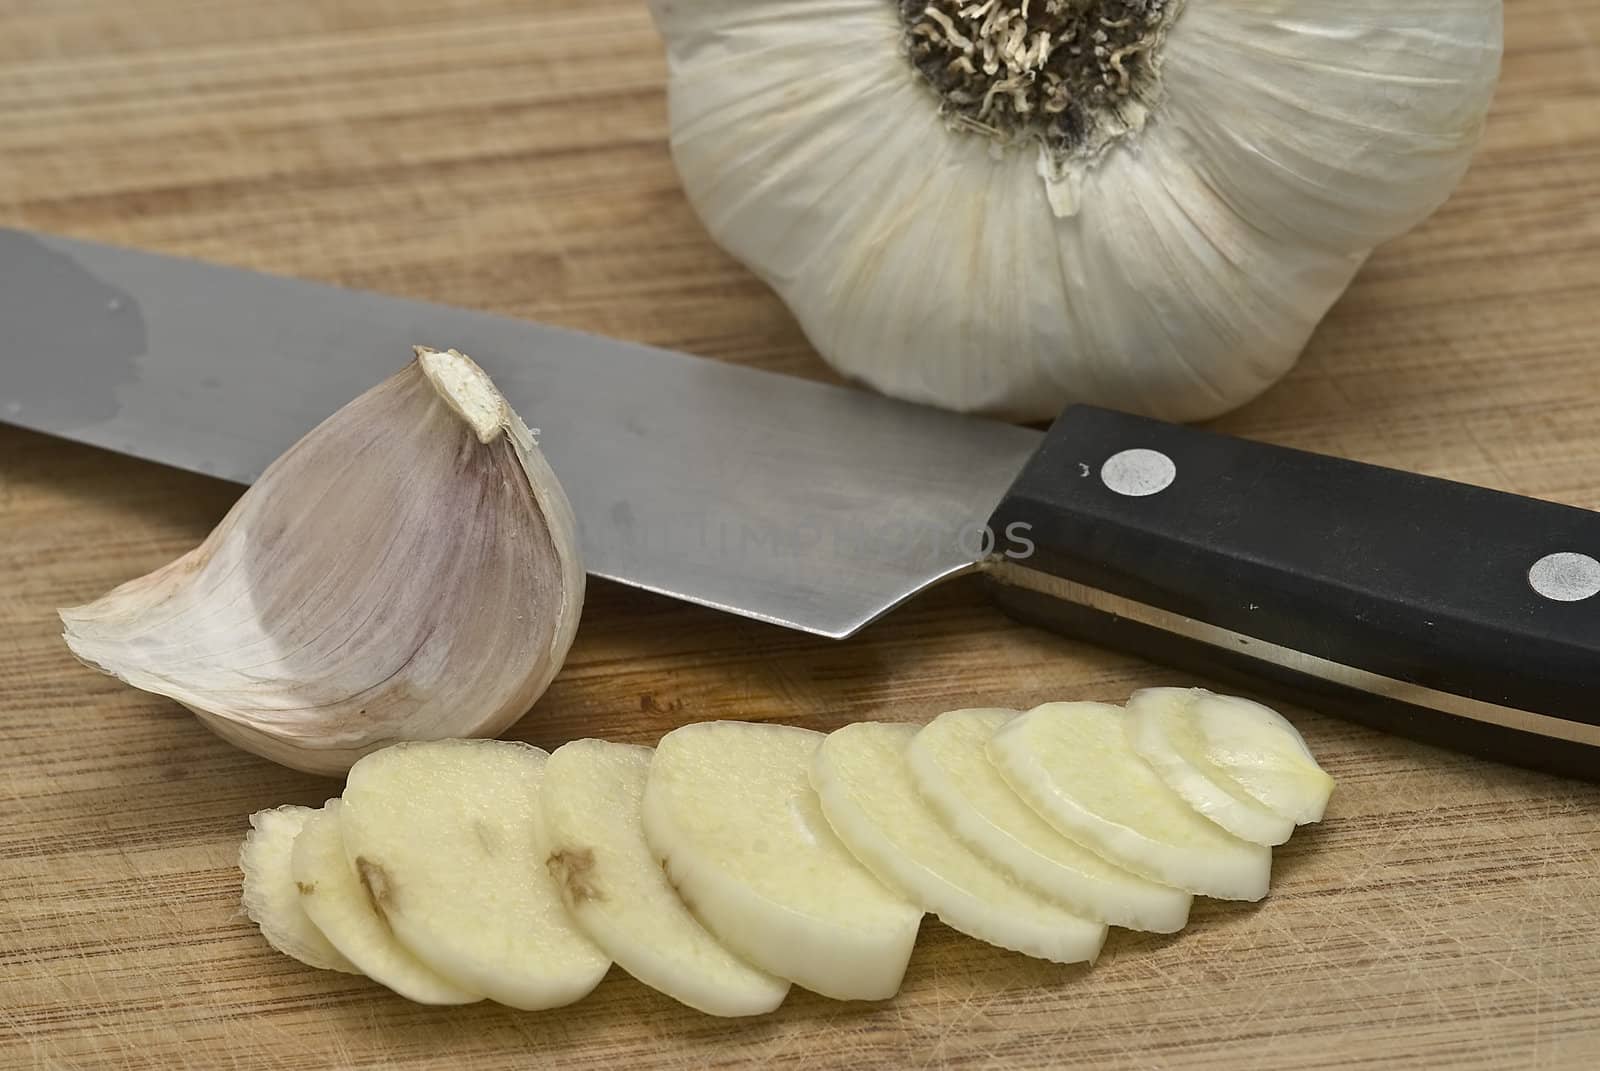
(510, 155)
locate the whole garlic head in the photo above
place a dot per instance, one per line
(1009, 205)
(408, 570)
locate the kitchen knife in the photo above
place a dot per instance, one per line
(1451, 613)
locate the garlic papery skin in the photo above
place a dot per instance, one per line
(1171, 259)
(408, 570)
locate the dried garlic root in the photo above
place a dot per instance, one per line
(736, 858)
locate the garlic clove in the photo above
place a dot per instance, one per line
(408, 570)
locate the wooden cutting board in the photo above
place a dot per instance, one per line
(510, 155)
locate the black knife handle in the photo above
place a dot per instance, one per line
(1462, 616)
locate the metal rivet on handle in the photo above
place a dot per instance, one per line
(1138, 472)
(1565, 576)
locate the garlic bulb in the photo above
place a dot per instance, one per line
(1009, 205)
(407, 571)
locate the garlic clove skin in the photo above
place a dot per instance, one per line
(407, 571)
(1176, 272)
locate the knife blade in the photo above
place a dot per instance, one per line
(801, 504)
(1450, 613)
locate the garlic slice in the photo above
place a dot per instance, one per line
(871, 801)
(729, 811)
(271, 899)
(343, 905)
(953, 773)
(408, 570)
(1071, 763)
(1242, 765)
(591, 802)
(447, 834)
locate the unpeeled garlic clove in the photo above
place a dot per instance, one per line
(408, 570)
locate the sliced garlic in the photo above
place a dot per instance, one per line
(737, 855)
(868, 796)
(617, 892)
(963, 787)
(1008, 205)
(730, 813)
(447, 835)
(343, 905)
(1071, 763)
(1235, 761)
(271, 899)
(408, 570)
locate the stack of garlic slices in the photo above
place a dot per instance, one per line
(734, 858)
